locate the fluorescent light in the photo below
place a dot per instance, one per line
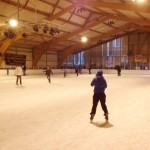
(13, 23)
(84, 39)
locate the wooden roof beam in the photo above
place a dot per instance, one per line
(132, 20)
(141, 28)
(119, 6)
(49, 18)
(55, 6)
(51, 4)
(60, 13)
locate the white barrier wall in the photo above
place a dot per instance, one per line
(84, 71)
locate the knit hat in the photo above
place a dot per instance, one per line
(99, 73)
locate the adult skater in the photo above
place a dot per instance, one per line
(18, 73)
(99, 84)
(48, 74)
(118, 68)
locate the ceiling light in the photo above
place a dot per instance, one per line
(9, 34)
(13, 23)
(51, 32)
(84, 39)
(45, 29)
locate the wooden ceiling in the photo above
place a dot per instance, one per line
(99, 20)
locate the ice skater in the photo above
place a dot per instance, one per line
(24, 70)
(89, 69)
(48, 74)
(77, 71)
(65, 72)
(18, 73)
(100, 85)
(118, 68)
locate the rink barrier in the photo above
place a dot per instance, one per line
(10, 72)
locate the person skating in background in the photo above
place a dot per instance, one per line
(18, 73)
(48, 74)
(89, 69)
(100, 85)
(118, 68)
(77, 71)
(65, 72)
(24, 70)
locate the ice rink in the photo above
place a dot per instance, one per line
(43, 116)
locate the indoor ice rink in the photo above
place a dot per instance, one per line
(38, 37)
(39, 115)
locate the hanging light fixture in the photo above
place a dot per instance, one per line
(9, 34)
(84, 39)
(35, 28)
(13, 23)
(45, 29)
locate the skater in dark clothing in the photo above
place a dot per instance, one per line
(90, 69)
(100, 85)
(77, 71)
(118, 68)
(24, 70)
(65, 72)
(48, 74)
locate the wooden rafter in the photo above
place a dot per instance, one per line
(55, 6)
(44, 47)
(141, 28)
(132, 20)
(140, 15)
(60, 13)
(72, 13)
(117, 6)
(87, 20)
(49, 3)
(50, 18)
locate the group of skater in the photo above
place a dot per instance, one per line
(98, 82)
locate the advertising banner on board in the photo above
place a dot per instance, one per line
(138, 58)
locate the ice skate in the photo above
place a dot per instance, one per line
(92, 117)
(106, 117)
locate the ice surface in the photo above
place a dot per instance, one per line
(44, 116)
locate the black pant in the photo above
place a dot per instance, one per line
(119, 73)
(96, 98)
(49, 78)
(19, 78)
(65, 74)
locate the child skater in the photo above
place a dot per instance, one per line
(99, 84)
